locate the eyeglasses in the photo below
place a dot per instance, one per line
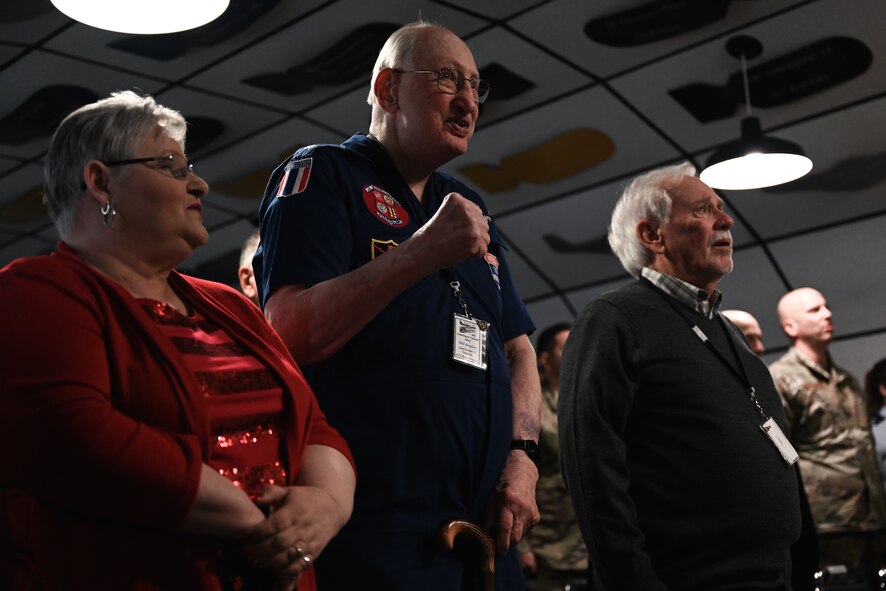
(177, 166)
(450, 81)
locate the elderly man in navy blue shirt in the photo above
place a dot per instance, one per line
(388, 282)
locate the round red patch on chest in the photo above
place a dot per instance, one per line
(385, 208)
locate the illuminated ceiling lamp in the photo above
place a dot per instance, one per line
(141, 17)
(755, 160)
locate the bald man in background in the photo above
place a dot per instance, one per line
(829, 427)
(749, 327)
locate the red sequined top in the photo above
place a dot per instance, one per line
(107, 429)
(243, 399)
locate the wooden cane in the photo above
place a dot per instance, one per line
(447, 534)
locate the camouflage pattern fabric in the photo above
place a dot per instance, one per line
(556, 540)
(828, 425)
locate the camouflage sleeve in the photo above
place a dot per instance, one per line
(787, 402)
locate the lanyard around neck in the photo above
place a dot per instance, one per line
(740, 373)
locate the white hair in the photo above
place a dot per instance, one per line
(646, 198)
(105, 130)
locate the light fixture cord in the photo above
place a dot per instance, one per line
(747, 88)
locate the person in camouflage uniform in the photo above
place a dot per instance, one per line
(553, 554)
(828, 424)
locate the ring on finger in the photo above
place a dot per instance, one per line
(300, 553)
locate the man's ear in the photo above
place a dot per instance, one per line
(789, 326)
(244, 274)
(650, 235)
(385, 90)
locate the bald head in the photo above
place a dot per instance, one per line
(749, 327)
(398, 52)
(422, 124)
(805, 317)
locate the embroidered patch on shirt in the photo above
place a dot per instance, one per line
(379, 247)
(492, 261)
(295, 177)
(384, 207)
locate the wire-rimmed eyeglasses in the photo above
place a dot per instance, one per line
(450, 81)
(177, 166)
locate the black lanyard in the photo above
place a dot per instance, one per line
(742, 375)
(455, 286)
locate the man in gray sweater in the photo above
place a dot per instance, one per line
(670, 426)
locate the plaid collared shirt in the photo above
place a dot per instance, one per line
(706, 304)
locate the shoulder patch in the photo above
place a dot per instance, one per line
(384, 207)
(295, 177)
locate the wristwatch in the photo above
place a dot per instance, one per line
(530, 447)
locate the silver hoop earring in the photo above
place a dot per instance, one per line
(108, 213)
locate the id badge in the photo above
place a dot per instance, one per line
(784, 447)
(469, 341)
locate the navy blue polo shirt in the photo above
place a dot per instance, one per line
(429, 435)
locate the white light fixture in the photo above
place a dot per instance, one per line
(143, 17)
(753, 161)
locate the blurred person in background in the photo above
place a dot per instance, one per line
(749, 327)
(553, 553)
(875, 398)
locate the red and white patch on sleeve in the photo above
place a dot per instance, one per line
(295, 177)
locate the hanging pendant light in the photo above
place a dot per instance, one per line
(143, 17)
(755, 160)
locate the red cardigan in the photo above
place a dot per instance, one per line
(103, 429)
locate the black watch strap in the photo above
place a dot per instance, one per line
(530, 447)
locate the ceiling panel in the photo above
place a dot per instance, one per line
(309, 38)
(28, 22)
(549, 311)
(709, 63)
(845, 264)
(593, 110)
(573, 121)
(56, 81)
(185, 53)
(569, 39)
